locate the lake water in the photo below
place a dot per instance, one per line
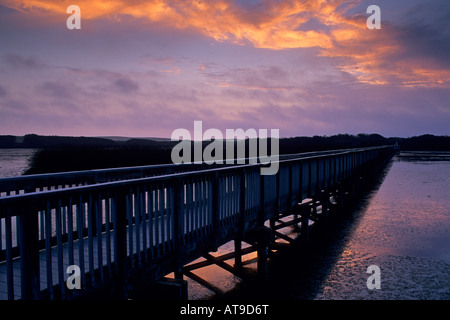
(405, 231)
(13, 162)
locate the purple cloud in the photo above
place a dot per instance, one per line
(126, 85)
(20, 62)
(3, 91)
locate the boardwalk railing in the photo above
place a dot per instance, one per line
(52, 181)
(115, 229)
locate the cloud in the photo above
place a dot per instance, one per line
(126, 85)
(249, 78)
(3, 92)
(306, 67)
(399, 54)
(20, 62)
(56, 90)
(274, 24)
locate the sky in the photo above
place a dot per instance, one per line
(146, 68)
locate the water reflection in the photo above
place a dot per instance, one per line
(405, 230)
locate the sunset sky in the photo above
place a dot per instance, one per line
(143, 68)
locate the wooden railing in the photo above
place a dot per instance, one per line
(111, 229)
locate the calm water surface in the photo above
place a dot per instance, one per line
(13, 162)
(405, 230)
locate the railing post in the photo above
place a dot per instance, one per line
(261, 200)
(29, 255)
(178, 226)
(215, 208)
(120, 226)
(241, 223)
(263, 235)
(304, 229)
(290, 186)
(277, 202)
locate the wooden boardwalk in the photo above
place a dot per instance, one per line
(116, 231)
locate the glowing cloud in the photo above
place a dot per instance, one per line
(370, 56)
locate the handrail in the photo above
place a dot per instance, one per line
(128, 182)
(30, 183)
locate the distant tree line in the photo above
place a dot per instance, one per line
(57, 153)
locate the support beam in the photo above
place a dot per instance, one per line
(283, 236)
(203, 282)
(221, 258)
(263, 235)
(220, 263)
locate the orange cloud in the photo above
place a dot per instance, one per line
(275, 25)
(273, 28)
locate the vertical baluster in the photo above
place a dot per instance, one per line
(215, 207)
(156, 219)
(59, 244)
(17, 236)
(90, 222)
(162, 207)
(48, 250)
(120, 241)
(64, 220)
(158, 216)
(166, 215)
(108, 231)
(137, 214)
(80, 214)
(42, 224)
(1, 234)
(9, 259)
(144, 223)
(70, 231)
(130, 223)
(203, 206)
(235, 197)
(150, 211)
(192, 207)
(201, 199)
(170, 212)
(208, 203)
(188, 209)
(228, 198)
(98, 218)
(220, 199)
(197, 207)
